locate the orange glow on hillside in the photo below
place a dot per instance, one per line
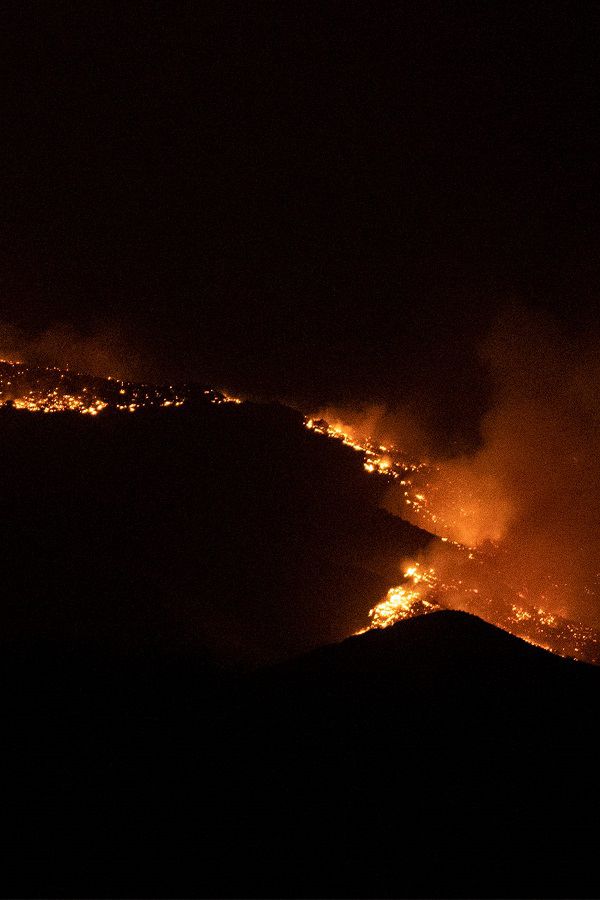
(460, 573)
(54, 390)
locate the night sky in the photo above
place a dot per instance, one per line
(329, 202)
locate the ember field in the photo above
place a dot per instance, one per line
(51, 390)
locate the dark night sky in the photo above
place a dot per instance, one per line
(326, 201)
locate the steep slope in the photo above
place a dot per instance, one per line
(225, 529)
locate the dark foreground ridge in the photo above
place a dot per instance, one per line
(165, 731)
(324, 776)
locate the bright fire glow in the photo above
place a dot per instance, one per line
(53, 390)
(455, 575)
(406, 600)
(457, 581)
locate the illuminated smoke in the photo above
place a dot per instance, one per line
(104, 353)
(398, 427)
(533, 488)
(518, 517)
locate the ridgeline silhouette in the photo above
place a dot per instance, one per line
(174, 724)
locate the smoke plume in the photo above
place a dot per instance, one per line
(103, 353)
(399, 427)
(533, 487)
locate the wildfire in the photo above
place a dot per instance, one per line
(53, 390)
(464, 568)
(406, 600)
(425, 589)
(393, 463)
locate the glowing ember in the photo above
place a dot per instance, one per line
(53, 390)
(406, 600)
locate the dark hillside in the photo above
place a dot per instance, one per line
(400, 763)
(144, 554)
(227, 530)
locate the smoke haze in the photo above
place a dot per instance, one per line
(398, 426)
(530, 490)
(105, 353)
(533, 486)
